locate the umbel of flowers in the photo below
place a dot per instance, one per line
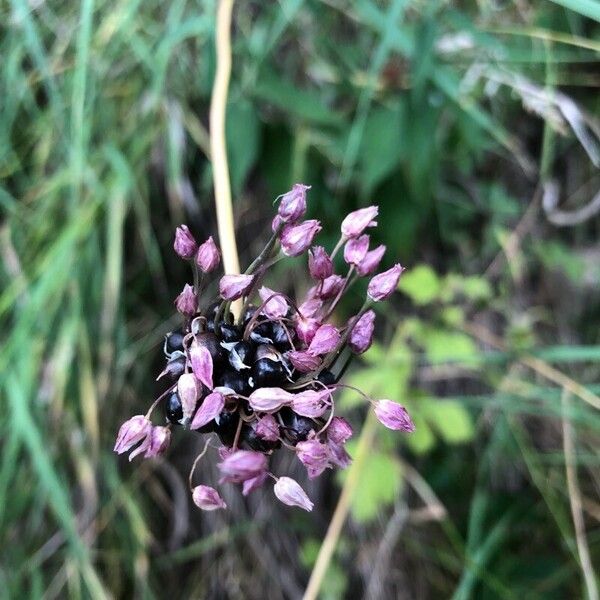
(266, 381)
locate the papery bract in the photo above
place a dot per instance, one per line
(303, 361)
(207, 498)
(306, 329)
(329, 288)
(187, 302)
(309, 308)
(361, 335)
(208, 257)
(202, 364)
(188, 389)
(232, 287)
(210, 408)
(253, 483)
(311, 403)
(289, 492)
(339, 430)
(295, 239)
(356, 222)
(393, 416)
(383, 285)
(338, 455)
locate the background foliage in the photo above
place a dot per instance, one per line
(474, 127)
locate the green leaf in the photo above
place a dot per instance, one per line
(422, 439)
(450, 418)
(421, 284)
(441, 345)
(243, 141)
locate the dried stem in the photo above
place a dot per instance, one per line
(218, 147)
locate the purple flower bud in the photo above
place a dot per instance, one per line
(188, 390)
(187, 302)
(156, 442)
(356, 249)
(295, 239)
(338, 455)
(185, 245)
(232, 287)
(319, 263)
(303, 361)
(242, 465)
(208, 257)
(134, 430)
(326, 339)
(254, 483)
(371, 261)
(289, 492)
(306, 329)
(267, 428)
(276, 307)
(269, 399)
(314, 455)
(210, 408)
(207, 498)
(310, 307)
(383, 285)
(356, 222)
(393, 416)
(328, 288)
(202, 364)
(293, 204)
(311, 403)
(339, 430)
(361, 335)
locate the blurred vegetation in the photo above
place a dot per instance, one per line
(474, 127)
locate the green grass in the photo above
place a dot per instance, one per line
(103, 151)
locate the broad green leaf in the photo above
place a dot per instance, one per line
(441, 345)
(450, 418)
(422, 439)
(421, 284)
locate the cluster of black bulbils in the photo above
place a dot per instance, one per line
(243, 365)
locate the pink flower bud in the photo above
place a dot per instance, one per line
(242, 465)
(371, 261)
(210, 408)
(185, 245)
(303, 361)
(319, 263)
(338, 455)
(207, 498)
(328, 288)
(356, 222)
(306, 329)
(232, 287)
(276, 307)
(134, 430)
(314, 456)
(361, 335)
(339, 430)
(356, 249)
(252, 484)
(155, 443)
(289, 492)
(188, 390)
(267, 428)
(202, 363)
(393, 416)
(311, 403)
(187, 302)
(310, 307)
(383, 285)
(208, 257)
(325, 340)
(293, 204)
(269, 399)
(295, 239)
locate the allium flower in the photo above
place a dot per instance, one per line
(264, 381)
(371, 261)
(356, 249)
(289, 492)
(276, 307)
(132, 432)
(208, 257)
(361, 335)
(243, 465)
(187, 302)
(267, 428)
(293, 204)
(319, 263)
(295, 239)
(325, 340)
(185, 245)
(207, 498)
(232, 287)
(210, 408)
(383, 285)
(393, 416)
(314, 455)
(356, 222)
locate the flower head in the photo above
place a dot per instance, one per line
(276, 306)
(132, 432)
(356, 249)
(356, 222)
(201, 362)
(311, 403)
(269, 399)
(184, 245)
(383, 285)
(207, 498)
(326, 338)
(208, 257)
(188, 389)
(187, 302)
(393, 416)
(319, 263)
(303, 361)
(361, 335)
(293, 204)
(295, 239)
(339, 430)
(314, 455)
(267, 428)
(289, 492)
(242, 465)
(371, 261)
